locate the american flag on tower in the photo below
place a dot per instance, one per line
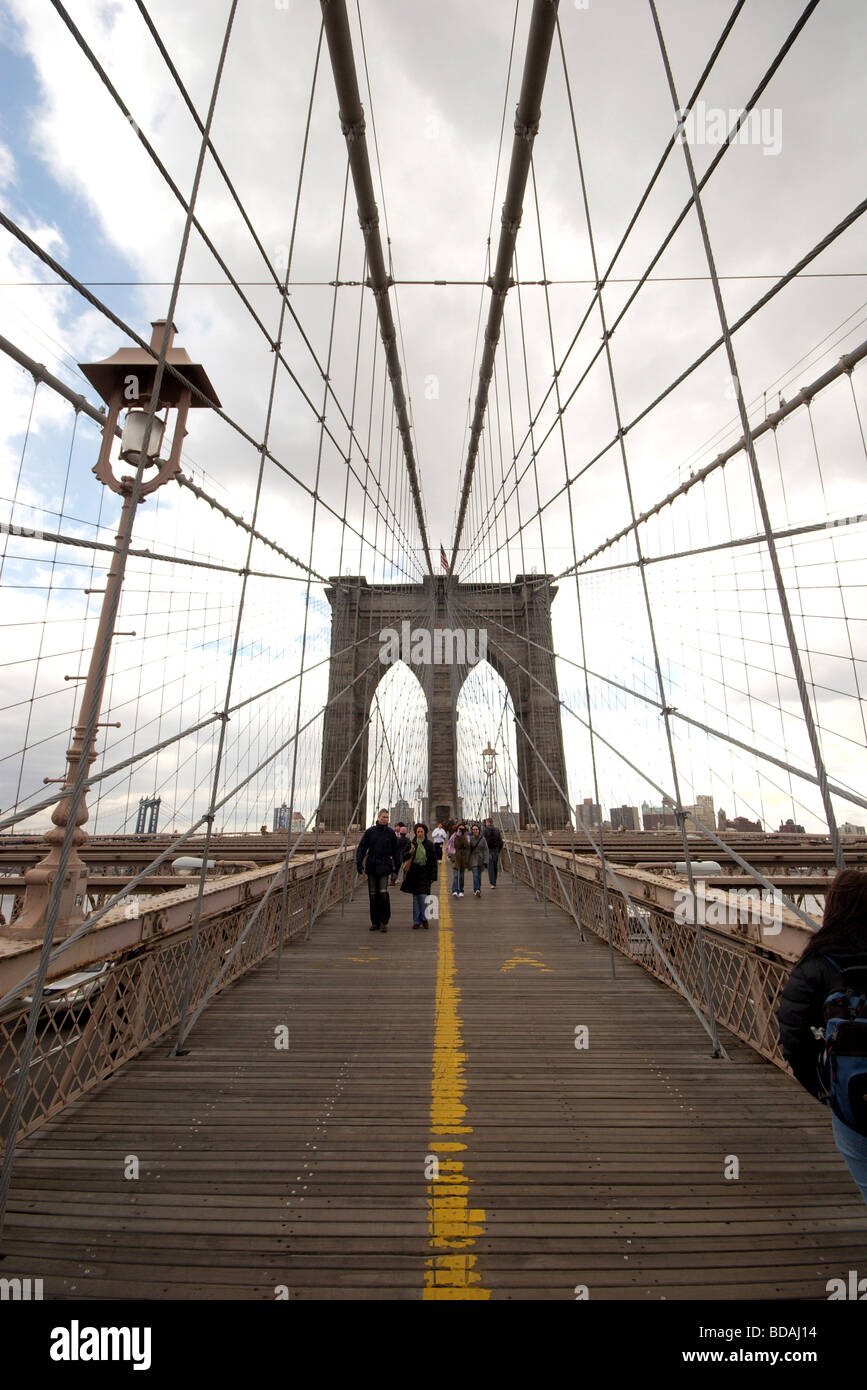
(444, 562)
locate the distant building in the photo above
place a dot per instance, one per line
(589, 814)
(625, 818)
(703, 811)
(506, 819)
(658, 817)
(401, 811)
(847, 828)
(789, 827)
(740, 823)
(281, 817)
(299, 820)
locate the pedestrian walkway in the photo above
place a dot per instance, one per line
(408, 1116)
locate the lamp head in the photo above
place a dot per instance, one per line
(133, 437)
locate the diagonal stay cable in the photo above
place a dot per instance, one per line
(755, 472)
(794, 271)
(636, 913)
(83, 406)
(666, 796)
(844, 367)
(25, 812)
(176, 844)
(339, 39)
(527, 119)
(269, 412)
(140, 553)
(600, 283)
(66, 275)
(274, 347)
(313, 519)
(101, 657)
(276, 882)
(846, 794)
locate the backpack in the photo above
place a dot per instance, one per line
(845, 1056)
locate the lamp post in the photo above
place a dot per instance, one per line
(489, 755)
(419, 804)
(125, 381)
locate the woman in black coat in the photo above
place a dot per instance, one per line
(843, 937)
(420, 871)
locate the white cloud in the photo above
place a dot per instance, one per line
(7, 166)
(438, 79)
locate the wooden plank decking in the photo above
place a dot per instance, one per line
(312, 1168)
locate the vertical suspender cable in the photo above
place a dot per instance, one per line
(102, 659)
(666, 713)
(263, 454)
(758, 485)
(540, 38)
(339, 39)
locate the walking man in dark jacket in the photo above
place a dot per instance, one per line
(378, 855)
(495, 846)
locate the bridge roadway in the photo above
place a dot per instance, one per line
(308, 1171)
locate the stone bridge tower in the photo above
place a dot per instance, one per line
(516, 619)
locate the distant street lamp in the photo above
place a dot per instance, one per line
(125, 381)
(489, 755)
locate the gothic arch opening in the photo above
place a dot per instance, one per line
(485, 720)
(397, 746)
(520, 649)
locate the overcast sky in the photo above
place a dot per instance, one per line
(73, 172)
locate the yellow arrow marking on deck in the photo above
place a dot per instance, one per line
(453, 1224)
(526, 959)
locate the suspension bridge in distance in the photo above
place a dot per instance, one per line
(215, 1081)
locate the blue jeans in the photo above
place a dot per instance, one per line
(419, 906)
(458, 881)
(853, 1147)
(493, 864)
(477, 878)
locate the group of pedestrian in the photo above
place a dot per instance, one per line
(823, 1008)
(384, 853)
(476, 847)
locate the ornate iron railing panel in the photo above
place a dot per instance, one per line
(746, 979)
(89, 1030)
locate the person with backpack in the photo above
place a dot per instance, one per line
(457, 850)
(495, 849)
(478, 857)
(420, 871)
(378, 856)
(823, 1018)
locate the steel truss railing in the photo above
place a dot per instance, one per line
(91, 1030)
(745, 980)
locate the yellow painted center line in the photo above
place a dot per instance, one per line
(453, 1225)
